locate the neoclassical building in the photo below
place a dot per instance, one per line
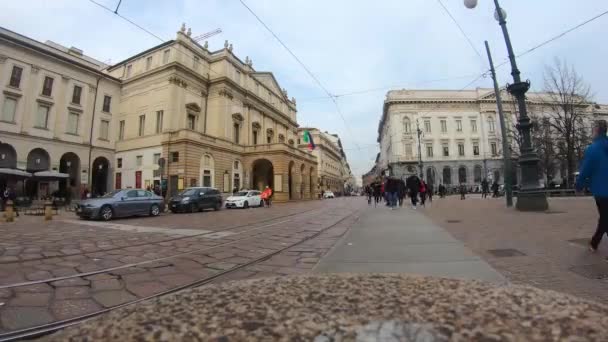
(455, 134)
(175, 115)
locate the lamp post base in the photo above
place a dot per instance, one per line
(532, 201)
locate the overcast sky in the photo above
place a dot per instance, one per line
(350, 45)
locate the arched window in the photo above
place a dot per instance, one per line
(491, 125)
(447, 175)
(207, 177)
(407, 125)
(236, 175)
(462, 175)
(477, 174)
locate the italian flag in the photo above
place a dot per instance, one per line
(308, 139)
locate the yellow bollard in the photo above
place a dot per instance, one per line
(48, 211)
(9, 213)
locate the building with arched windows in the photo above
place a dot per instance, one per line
(455, 135)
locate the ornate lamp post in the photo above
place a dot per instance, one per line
(531, 197)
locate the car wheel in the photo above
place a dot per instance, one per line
(246, 205)
(218, 206)
(106, 213)
(193, 207)
(154, 210)
(261, 204)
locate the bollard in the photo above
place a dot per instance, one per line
(9, 213)
(48, 211)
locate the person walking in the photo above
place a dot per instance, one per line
(401, 191)
(429, 192)
(267, 196)
(495, 188)
(593, 173)
(413, 185)
(391, 188)
(369, 194)
(485, 188)
(463, 191)
(423, 193)
(377, 189)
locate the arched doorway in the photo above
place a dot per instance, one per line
(447, 175)
(237, 171)
(311, 184)
(263, 173)
(290, 180)
(496, 176)
(207, 176)
(99, 176)
(477, 171)
(302, 178)
(37, 160)
(8, 160)
(430, 176)
(70, 164)
(462, 175)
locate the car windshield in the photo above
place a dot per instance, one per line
(111, 194)
(241, 193)
(189, 192)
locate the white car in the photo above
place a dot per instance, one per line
(245, 199)
(328, 194)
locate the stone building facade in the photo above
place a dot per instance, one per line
(176, 115)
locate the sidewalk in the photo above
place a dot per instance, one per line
(404, 241)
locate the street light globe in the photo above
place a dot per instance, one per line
(504, 14)
(470, 4)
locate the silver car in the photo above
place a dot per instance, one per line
(121, 203)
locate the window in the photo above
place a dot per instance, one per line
(444, 126)
(8, 110)
(73, 119)
(476, 149)
(446, 150)
(255, 137)
(47, 86)
(129, 67)
(142, 125)
(139, 160)
(195, 63)
(166, 55)
(107, 100)
(119, 162)
(269, 139)
(407, 125)
(408, 151)
(494, 149)
(474, 126)
(159, 120)
(461, 149)
(427, 126)
(76, 94)
(236, 130)
(191, 121)
(121, 130)
(491, 125)
(155, 159)
(118, 184)
(429, 150)
(459, 125)
(207, 178)
(174, 157)
(15, 80)
(148, 63)
(42, 119)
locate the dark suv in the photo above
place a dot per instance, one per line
(196, 199)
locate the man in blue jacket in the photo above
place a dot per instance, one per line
(594, 174)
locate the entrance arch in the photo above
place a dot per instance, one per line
(207, 176)
(37, 160)
(311, 182)
(8, 156)
(477, 171)
(447, 175)
(70, 164)
(302, 180)
(262, 174)
(99, 176)
(290, 180)
(430, 176)
(462, 175)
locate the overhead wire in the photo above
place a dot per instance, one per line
(462, 31)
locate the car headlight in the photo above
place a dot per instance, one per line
(185, 199)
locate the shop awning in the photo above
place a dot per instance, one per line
(50, 175)
(14, 173)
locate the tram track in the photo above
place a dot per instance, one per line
(43, 329)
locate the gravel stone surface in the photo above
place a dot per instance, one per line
(347, 307)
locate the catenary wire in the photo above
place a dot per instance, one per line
(462, 31)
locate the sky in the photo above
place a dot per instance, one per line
(349, 45)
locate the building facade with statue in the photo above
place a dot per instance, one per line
(175, 115)
(456, 135)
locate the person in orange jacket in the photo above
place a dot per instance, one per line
(266, 196)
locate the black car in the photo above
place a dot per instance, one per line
(196, 199)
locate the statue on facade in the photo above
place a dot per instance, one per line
(189, 33)
(206, 46)
(225, 44)
(183, 29)
(230, 48)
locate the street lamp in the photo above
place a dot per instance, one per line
(530, 197)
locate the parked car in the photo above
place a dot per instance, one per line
(196, 199)
(328, 194)
(121, 203)
(245, 199)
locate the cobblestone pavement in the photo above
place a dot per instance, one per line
(66, 268)
(545, 250)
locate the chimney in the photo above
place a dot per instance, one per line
(75, 51)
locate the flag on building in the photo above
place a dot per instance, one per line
(308, 139)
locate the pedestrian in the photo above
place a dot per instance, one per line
(463, 191)
(377, 189)
(495, 188)
(485, 188)
(12, 195)
(593, 174)
(391, 187)
(369, 193)
(423, 193)
(402, 190)
(413, 185)
(267, 196)
(429, 192)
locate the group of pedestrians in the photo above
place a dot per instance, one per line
(394, 191)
